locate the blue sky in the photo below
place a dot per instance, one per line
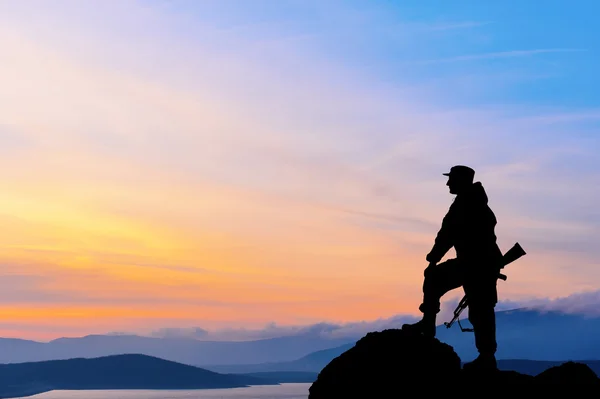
(262, 149)
(525, 53)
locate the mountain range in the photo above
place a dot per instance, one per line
(182, 350)
(522, 334)
(313, 362)
(529, 341)
(316, 361)
(135, 371)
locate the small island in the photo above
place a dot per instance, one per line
(128, 371)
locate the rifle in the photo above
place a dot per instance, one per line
(510, 256)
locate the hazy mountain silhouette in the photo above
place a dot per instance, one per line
(534, 367)
(521, 334)
(393, 363)
(313, 362)
(182, 350)
(115, 372)
(534, 335)
(280, 377)
(524, 336)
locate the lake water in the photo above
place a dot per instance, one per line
(283, 391)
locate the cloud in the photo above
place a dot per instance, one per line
(195, 332)
(585, 303)
(455, 25)
(498, 55)
(272, 330)
(553, 118)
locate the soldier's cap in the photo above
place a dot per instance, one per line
(461, 172)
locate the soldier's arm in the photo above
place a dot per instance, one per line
(443, 241)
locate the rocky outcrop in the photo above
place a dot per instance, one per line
(394, 363)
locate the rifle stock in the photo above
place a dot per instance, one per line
(513, 254)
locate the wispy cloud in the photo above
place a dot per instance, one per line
(454, 25)
(495, 55)
(272, 330)
(560, 116)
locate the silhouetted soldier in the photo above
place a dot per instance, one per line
(469, 228)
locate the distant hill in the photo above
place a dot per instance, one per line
(535, 367)
(115, 372)
(181, 350)
(535, 335)
(280, 377)
(312, 362)
(316, 361)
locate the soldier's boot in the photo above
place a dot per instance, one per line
(425, 326)
(485, 362)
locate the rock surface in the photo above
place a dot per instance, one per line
(393, 363)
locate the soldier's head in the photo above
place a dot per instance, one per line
(460, 177)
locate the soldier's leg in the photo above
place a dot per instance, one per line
(442, 278)
(483, 319)
(438, 281)
(482, 302)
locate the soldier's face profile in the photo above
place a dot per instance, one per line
(451, 185)
(455, 184)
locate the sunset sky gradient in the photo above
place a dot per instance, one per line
(231, 164)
